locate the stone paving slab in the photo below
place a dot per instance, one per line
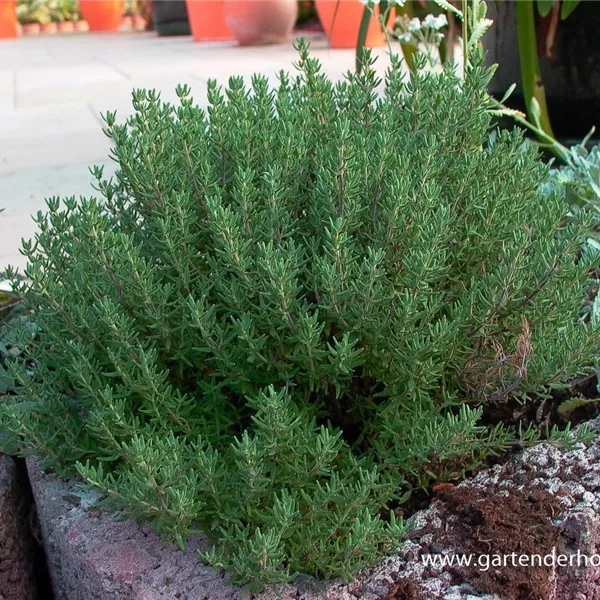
(50, 150)
(42, 120)
(38, 81)
(7, 97)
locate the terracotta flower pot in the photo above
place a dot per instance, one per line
(102, 15)
(207, 20)
(342, 27)
(50, 28)
(66, 26)
(32, 29)
(8, 19)
(139, 23)
(81, 26)
(255, 22)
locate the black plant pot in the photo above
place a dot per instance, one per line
(170, 17)
(571, 73)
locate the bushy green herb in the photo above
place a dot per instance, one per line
(16, 333)
(290, 308)
(9, 305)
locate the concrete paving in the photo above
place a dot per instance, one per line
(54, 88)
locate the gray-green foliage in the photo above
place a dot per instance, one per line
(579, 178)
(293, 306)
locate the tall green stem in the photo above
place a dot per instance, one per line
(362, 36)
(533, 86)
(407, 50)
(465, 33)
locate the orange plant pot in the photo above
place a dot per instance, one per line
(342, 27)
(255, 22)
(8, 19)
(50, 28)
(32, 29)
(102, 15)
(66, 26)
(81, 26)
(207, 20)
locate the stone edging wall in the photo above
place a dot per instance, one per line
(17, 546)
(540, 499)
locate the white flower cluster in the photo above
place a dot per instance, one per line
(416, 28)
(424, 36)
(435, 23)
(391, 3)
(431, 22)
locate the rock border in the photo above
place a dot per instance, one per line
(92, 555)
(17, 545)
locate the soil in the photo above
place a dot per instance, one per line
(493, 522)
(543, 411)
(405, 589)
(501, 524)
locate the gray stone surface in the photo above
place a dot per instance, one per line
(16, 541)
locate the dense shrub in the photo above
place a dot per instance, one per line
(16, 332)
(290, 309)
(10, 308)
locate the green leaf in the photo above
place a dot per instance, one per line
(545, 6)
(567, 7)
(7, 381)
(570, 405)
(508, 92)
(449, 7)
(535, 112)
(362, 38)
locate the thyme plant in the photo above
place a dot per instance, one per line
(291, 308)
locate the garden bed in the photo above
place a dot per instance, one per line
(541, 501)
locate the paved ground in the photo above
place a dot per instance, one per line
(53, 89)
